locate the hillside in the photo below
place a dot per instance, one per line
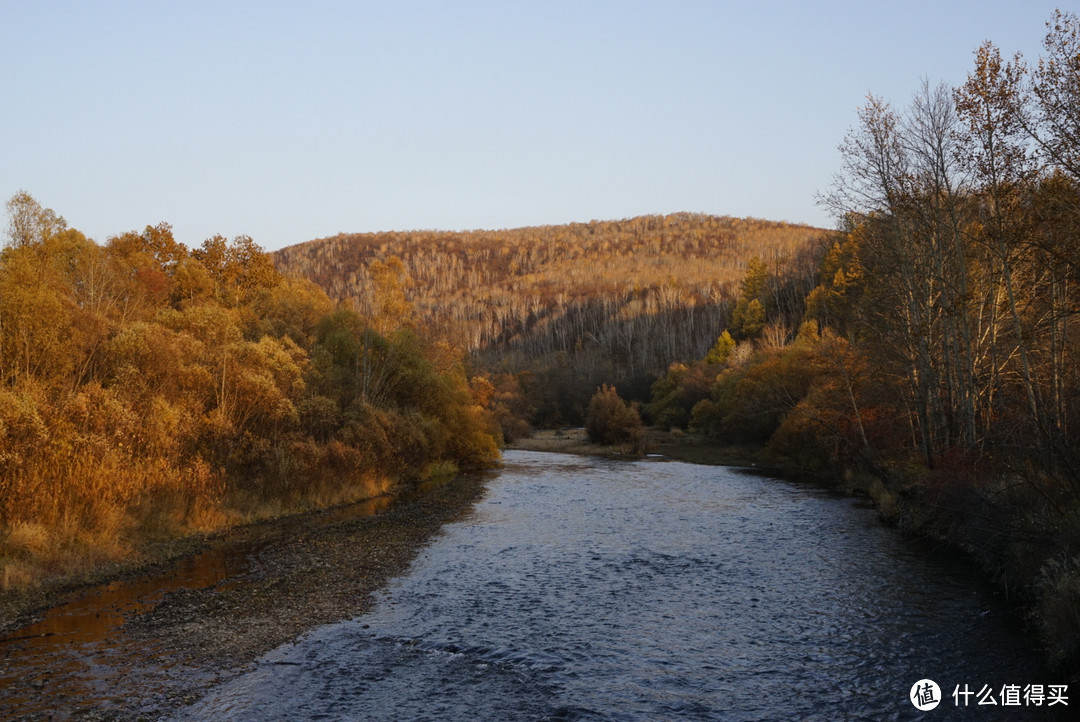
(605, 300)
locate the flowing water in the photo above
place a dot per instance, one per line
(599, 590)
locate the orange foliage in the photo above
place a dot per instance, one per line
(149, 391)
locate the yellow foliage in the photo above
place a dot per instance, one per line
(146, 392)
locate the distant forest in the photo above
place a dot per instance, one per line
(566, 308)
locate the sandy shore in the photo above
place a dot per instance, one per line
(310, 570)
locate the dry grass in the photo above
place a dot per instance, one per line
(29, 539)
(114, 517)
(674, 444)
(885, 501)
(68, 514)
(334, 490)
(697, 449)
(569, 441)
(1058, 610)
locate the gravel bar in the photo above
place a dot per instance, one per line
(309, 570)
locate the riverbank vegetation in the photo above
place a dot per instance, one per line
(936, 361)
(148, 391)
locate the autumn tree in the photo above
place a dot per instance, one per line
(611, 421)
(239, 267)
(152, 249)
(1052, 116)
(35, 317)
(46, 329)
(147, 391)
(721, 350)
(902, 192)
(389, 308)
(748, 316)
(29, 222)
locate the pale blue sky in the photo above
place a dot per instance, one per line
(289, 121)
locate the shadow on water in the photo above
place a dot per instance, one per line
(72, 657)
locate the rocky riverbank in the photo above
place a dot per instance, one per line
(308, 571)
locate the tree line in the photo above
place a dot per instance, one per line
(148, 390)
(937, 357)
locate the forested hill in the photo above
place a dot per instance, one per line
(607, 300)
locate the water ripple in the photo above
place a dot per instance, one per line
(586, 589)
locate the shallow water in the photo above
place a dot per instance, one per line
(598, 590)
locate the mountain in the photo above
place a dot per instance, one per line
(613, 301)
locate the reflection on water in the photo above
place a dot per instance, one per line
(78, 655)
(588, 589)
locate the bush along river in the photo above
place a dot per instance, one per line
(588, 589)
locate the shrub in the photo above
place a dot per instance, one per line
(1058, 609)
(675, 394)
(610, 421)
(750, 401)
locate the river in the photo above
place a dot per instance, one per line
(589, 589)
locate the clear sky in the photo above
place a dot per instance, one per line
(288, 121)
